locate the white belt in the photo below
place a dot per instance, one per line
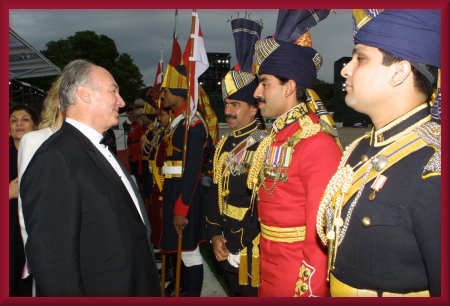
(172, 170)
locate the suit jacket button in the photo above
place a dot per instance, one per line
(366, 222)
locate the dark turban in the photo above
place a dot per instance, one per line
(288, 60)
(413, 35)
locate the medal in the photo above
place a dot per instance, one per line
(378, 164)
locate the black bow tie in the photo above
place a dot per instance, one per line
(103, 141)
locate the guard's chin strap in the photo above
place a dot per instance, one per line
(424, 70)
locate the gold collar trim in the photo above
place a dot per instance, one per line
(400, 126)
(245, 130)
(290, 116)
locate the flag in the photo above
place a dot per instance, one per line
(200, 62)
(159, 73)
(175, 77)
(154, 91)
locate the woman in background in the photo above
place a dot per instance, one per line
(22, 119)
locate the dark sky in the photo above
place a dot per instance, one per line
(140, 33)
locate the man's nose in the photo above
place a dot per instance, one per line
(120, 102)
(346, 70)
(257, 93)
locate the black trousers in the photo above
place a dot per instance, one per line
(233, 282)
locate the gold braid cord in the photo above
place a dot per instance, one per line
(258, 162)
(255, 176)
(222, 190)
(258, 166)
(217, 167)
(333, 194)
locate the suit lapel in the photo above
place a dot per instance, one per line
(104, 165)
(137, 193)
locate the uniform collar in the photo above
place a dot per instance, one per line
(289, 117)
(400, 126)
(179, 110)
(245, 130)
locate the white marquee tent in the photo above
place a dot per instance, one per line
(25, 61)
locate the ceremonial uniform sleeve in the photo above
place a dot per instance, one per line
(320, 159)
(213, 218)
(52, 211)
(426, 216)
(191, 178)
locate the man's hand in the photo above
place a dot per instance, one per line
(180, 223)
(14, 189)
(219, 247)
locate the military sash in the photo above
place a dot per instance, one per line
(394, 152)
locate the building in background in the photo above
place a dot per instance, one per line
(219, 65)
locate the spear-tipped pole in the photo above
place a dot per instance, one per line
(186, 130)
(176, 24)
(163, 267)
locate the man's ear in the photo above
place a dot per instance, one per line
(290, 88)
(401, 71)
(84, 94)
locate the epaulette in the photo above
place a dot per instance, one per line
(307, 128)
(431, 134)
(258, 135)
(195, 121)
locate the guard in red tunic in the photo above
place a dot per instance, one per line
(290, 171)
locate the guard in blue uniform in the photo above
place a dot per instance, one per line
(183, 203)
(231, 219)
(380, 215)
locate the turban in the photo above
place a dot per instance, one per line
(413, 35)
(239, 85)
(288, 60)
(289, 54)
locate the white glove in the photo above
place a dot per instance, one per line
(234, 259)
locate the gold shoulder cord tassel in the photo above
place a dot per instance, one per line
(256, 278)
(243, 268)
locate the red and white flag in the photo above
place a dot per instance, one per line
(159, 73)
(200, 62)
(154, 92)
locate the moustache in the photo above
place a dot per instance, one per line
(230, 117)
(260, 100)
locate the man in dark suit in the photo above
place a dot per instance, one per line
(88, 230)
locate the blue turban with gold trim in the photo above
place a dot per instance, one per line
(289, 54)
(288, 60)
(413, 35)
(239, 83)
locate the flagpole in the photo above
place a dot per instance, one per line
(185, 142)
(176, 24)
(163, 267)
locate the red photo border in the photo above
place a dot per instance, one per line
(6, 5)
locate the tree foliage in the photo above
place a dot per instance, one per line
(100, 50)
